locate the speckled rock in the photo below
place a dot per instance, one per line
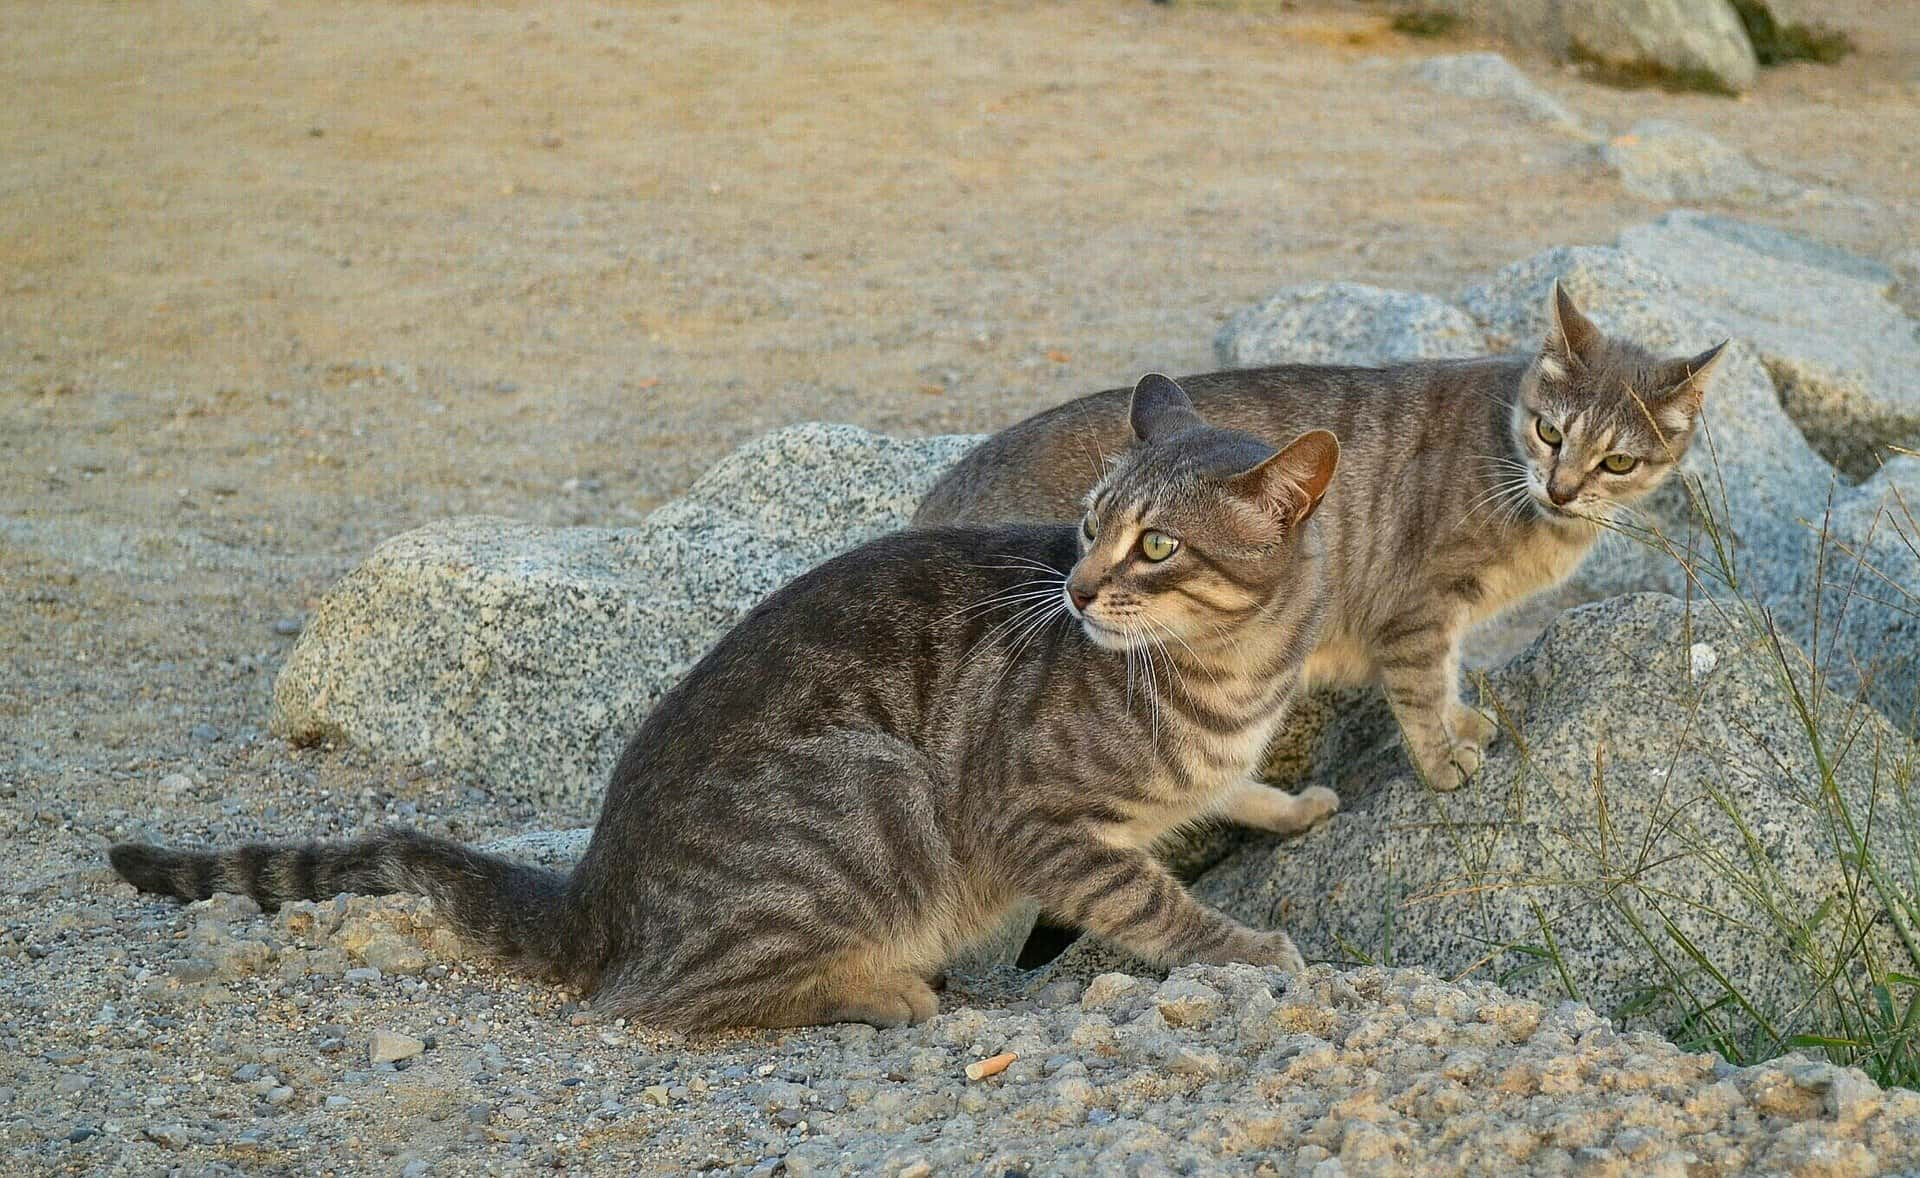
(1492, 77)
(528, 655)
(1667, 161)
(1653, 771)
(1373, 1071)
(1694, 38)
(1345, 323)
(1844, 355)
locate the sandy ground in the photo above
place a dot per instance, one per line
(280, 280)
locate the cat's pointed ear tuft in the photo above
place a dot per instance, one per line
(1160, 407)
(1691, 376)
(1682, 389)
(1571, 336)
(1296, 479)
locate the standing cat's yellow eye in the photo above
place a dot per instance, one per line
(1157, 546)
(1549, 432)
(1619, 463)
(1086, 526)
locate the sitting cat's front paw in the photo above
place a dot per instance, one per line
(1317, 804)
(1275, 948)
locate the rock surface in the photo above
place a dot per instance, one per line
(1345, 323)
(1668, 161)
(1844, 355)
(528, 655)
(1702, 38)
(1686, 38)
(1491, 76)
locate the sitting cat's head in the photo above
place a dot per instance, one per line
(1599, 421)
(1190, 533)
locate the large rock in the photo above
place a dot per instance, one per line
(528, 655)
(1492, 77)
(1700, 41)
(1668, 161)
(1661, 792)
(1345, 323)
(1690, 40)
(1846, 358)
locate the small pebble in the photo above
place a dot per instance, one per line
(389, 1046)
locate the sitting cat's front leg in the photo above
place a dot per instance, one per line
(1125, 896)
(1265, 807)
(1419, 661)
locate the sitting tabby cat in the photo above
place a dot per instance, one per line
(1469, 485)
(866, 772)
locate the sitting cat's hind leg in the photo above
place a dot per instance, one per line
(897, 998)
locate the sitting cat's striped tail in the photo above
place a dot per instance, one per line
(511, 909)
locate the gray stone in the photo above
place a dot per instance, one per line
(1697, 38)
(1492, 77)
(1345, 323)
(528, 655)
(1661, 775)
(1843, 354)
(1667, 161)
(389, 1046)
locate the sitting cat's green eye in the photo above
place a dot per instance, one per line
(1619, 463)
(1086, 527)
(1157, 545)
(1549, 432)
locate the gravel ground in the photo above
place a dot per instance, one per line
(277, 282)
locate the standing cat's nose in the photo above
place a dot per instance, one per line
(1081, 598)
(1562, 491)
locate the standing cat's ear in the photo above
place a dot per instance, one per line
(1571, 336)
(1160, 407)
(1293, 481)
(1683, 387)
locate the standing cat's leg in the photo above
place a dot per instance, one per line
(1265, 807)
(1418, 656)
(1125, 896)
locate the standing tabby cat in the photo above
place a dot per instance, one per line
(866, 772)
(1468, 485)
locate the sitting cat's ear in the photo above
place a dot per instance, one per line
(1293, 481)
(1160, 407)
(1684, 387)
(1571, 336)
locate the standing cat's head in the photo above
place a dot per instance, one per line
(1600, 421)
(1191, 532)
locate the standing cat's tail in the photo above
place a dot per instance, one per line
(511, 909)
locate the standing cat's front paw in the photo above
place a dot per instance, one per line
(1471, 726)
(1449, 766)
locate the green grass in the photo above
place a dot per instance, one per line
(1775, 43)
(1426, 22)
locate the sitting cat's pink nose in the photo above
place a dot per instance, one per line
(1082, 598)
(1562, 496)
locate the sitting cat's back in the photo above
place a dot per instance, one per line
(1040, 468)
